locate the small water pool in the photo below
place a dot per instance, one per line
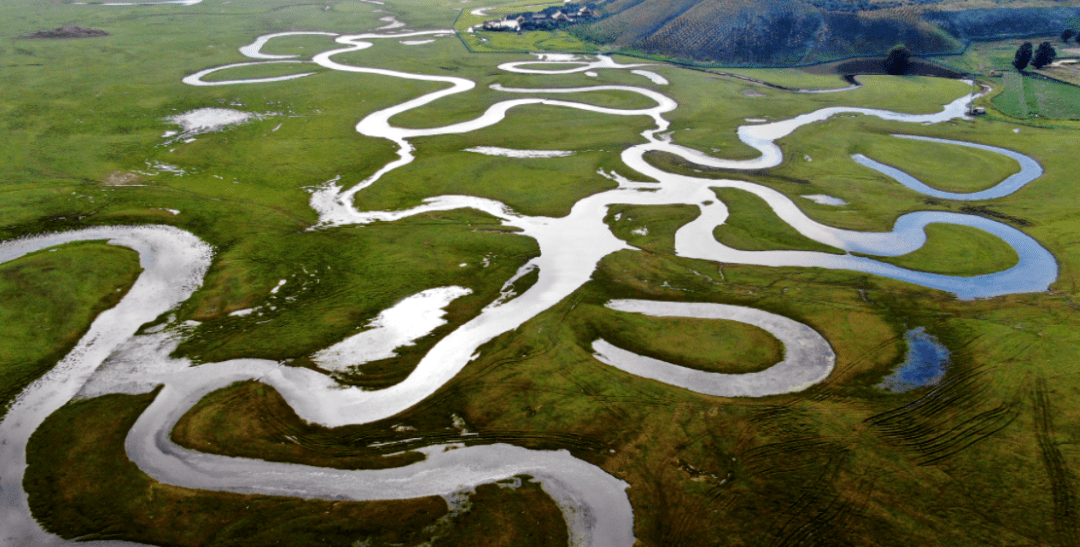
(925, 365)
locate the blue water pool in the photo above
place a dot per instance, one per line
(925, 365)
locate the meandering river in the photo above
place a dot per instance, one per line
(110, 358)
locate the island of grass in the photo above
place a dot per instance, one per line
(936, 164)
(753, 226)
(957, 250)
(48, 300)
(709, 345)
(650, 227)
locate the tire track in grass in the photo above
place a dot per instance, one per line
(806, 466)
(817, 516)
(1061, 477)
(947, 420)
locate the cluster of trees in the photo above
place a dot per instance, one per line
(1069, 33)
(1035, 57)
(898, 60)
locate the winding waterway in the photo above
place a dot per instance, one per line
(808, 357)
(173, 263)
(1029, 171)
(594, 503)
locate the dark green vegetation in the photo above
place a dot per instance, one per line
(81, 484)
(1023, 56)
(48, 300)
(66, 32)
(985, 458)
(897, 61)
(1044, 55)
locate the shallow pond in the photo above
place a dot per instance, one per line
(925, 365)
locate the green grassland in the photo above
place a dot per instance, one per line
(876, 201)
(700, 125)
(48, 300)
(738, 462)
(659, 223)
(982, 459)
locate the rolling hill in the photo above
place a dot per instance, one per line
(791, 32)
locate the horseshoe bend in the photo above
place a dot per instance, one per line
(403, 273)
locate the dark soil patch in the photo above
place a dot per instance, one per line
(876, 65)
(68, 32)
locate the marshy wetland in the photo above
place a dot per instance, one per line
(364, 287)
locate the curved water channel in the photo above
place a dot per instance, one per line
(593, 502)
(808, 357)
(1029, 171)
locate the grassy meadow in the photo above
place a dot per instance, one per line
(984, 458)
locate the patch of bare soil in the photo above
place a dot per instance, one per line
(67, 32)
(1065, 71)
(121, 178)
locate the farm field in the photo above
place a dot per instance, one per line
(1030, 97)
(1046, 96)
(428, 295)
